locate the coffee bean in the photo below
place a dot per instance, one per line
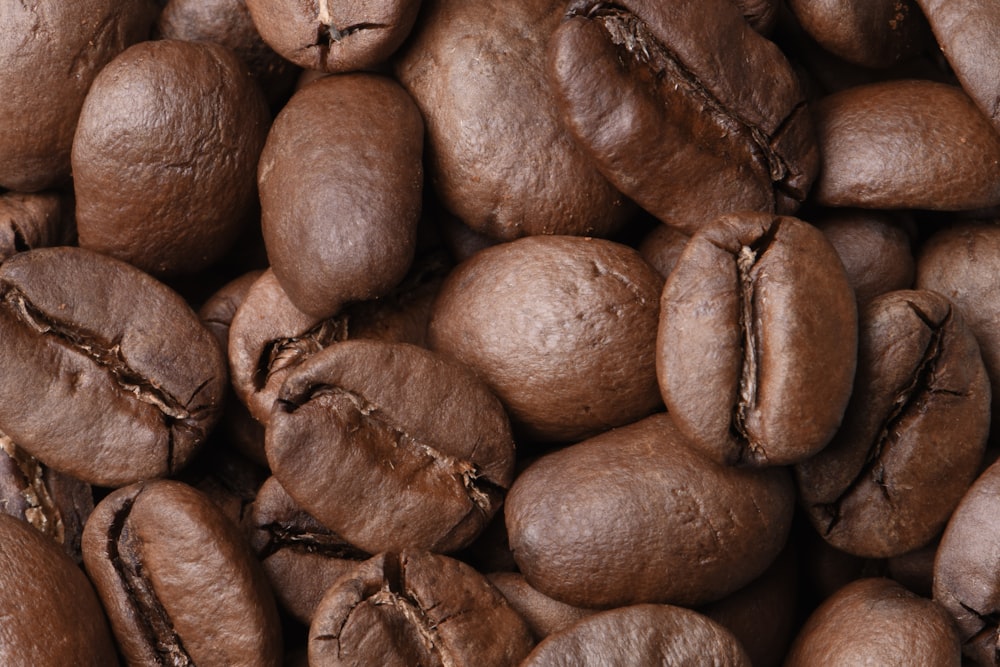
(33, 221)
(543, 615)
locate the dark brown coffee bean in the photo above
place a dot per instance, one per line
(872, 33)
(33, 221)
(228, 22)
(56, 504)
(645, 634)
(966, 568)
(876, 622)
(50, 53)
(760, 14)
(334, 36)
(415, 439)
(672, 114)
(344, 229)
(179, 582)
(165, 155)
(662, 248)
(500, 157)
(51, 614)
(661, 522)
(543, 615)
(108, 374)
(969, 34)
(874, 248)
(301, 557)
(913, 434)
(877, 142)
(561, 328)
(757, 340)
(915, 569)
(416, 608)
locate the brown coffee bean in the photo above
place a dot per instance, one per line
(301, 557)
(499, 156)
(345, 228)
(872, 33)
(876, 622)
(643, 634)
(969, 34)
(672, 115)
(108, 374)
(913, 434)
(179, 582)
(757, 341)
(966, 568)
(50, 53)
(906, 144)
(638, 515)
(416, 608)
(560, 328)
(662, 248)
(51, 614)
(543, 615)
(760, 14)
(33, 221)
(417, 440)
(193, 113)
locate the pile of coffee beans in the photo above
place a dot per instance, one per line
(498, 333)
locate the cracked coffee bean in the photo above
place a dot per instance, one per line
(345, 228)
(913, 435)
(416, 608)
(645, 634)
(674, 118)
(51, 615)
(179, 583)
(561, 328)
(662, 522)
(758, 340)
(33, 221)
(876, 622)
(391, 446)
(334, 36)
(136, 381)
(301, 557)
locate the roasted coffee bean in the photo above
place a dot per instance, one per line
(50, 53)
(906, 144)
(345, 229)
(56, 504)
(331, 36)
(876, 622)
(643, 634)
(913, 434)
(874, 248)
(416, 608)
(662, 248)
(52, 616)
(543, 615)
(969, 34)
(872, 33)
(179, 583)
(966, 568)
(33, 221)
(301, 557)
(760, 14)
(662, 522)
(499, 156)
(560, 328)
(193, 113)
(673, 116)
(415, 439)
(133, 382)
(757, 341)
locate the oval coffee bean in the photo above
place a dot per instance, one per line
(415, 440)
(543, 615)
(52, 616)
(913, 434)
(757, 340)
(33, 221)
(638, 515)
(345, 228)
(672, 115)
(645, 634)
(178, 580)
(561, 328)
(108, 374)
(876, 622)
(416, 608)
(906, 144)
